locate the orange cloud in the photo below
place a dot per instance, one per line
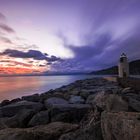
(14, 70)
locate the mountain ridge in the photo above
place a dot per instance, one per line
(134, 67)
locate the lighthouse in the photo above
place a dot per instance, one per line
(123, 66)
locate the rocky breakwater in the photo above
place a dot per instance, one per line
(91, 109)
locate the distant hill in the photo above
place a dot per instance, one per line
(134, 69)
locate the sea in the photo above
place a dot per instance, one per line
(18, 86)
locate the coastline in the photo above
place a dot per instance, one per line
(83, 110)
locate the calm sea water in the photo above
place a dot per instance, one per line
(13, 87)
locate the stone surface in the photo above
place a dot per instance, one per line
(13, 109)
(127, 90)
(40, 118)
(116, 103)
(121, 126)
(32, 98)
(90, 99)
(98, 99)
(76, 100)
(134, 104)
(53, 101)
(92, 132)
(47, 132)
(5, 102)
(69, 112)
(90, 129)
(20, 120)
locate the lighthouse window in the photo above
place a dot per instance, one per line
(121, 59)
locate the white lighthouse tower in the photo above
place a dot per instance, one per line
(123, 66)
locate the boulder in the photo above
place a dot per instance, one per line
(134, 104)
(84, 94)
(44, 132)
(69, 112)
(5, 102)
(98, 99)
(32, 98)
(120, 126)
(92, 132)
(76, 100)
(90, 99)
(40, 118)
(15, 100)
(116, 103)
(13, 109)
(53, 101)
(18, 121)
(127, 90)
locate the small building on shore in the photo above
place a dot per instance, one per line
(123, 66)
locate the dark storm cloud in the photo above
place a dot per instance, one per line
(103, 53)
(36, 55)
(107, 28)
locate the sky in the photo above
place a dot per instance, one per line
(38, 36)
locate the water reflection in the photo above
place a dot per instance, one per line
(13, 87)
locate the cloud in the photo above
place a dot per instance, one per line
(101, 53)
(6, 40)
(6, 28)
(36, 55)
(2, 17)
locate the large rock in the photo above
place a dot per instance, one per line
(13, 109)
(134, 104)
(47, 132)
(20, 120)
(116, 103)
(133, 101)
(127, 90)
(40, 118)
(121, 126)
(90, 99)
(32, 98)
(76, 100)
(4, 102)
(69, 112)
(90, 129)
(92, 132)
(53, 101)
(99, 99)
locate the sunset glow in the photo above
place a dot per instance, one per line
(63, 36)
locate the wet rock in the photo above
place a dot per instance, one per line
(121, 126)
(53, 101)
(13, 109)
(40, 118)
(45, 132)
(76, 100)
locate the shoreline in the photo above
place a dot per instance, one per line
(82, 110)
